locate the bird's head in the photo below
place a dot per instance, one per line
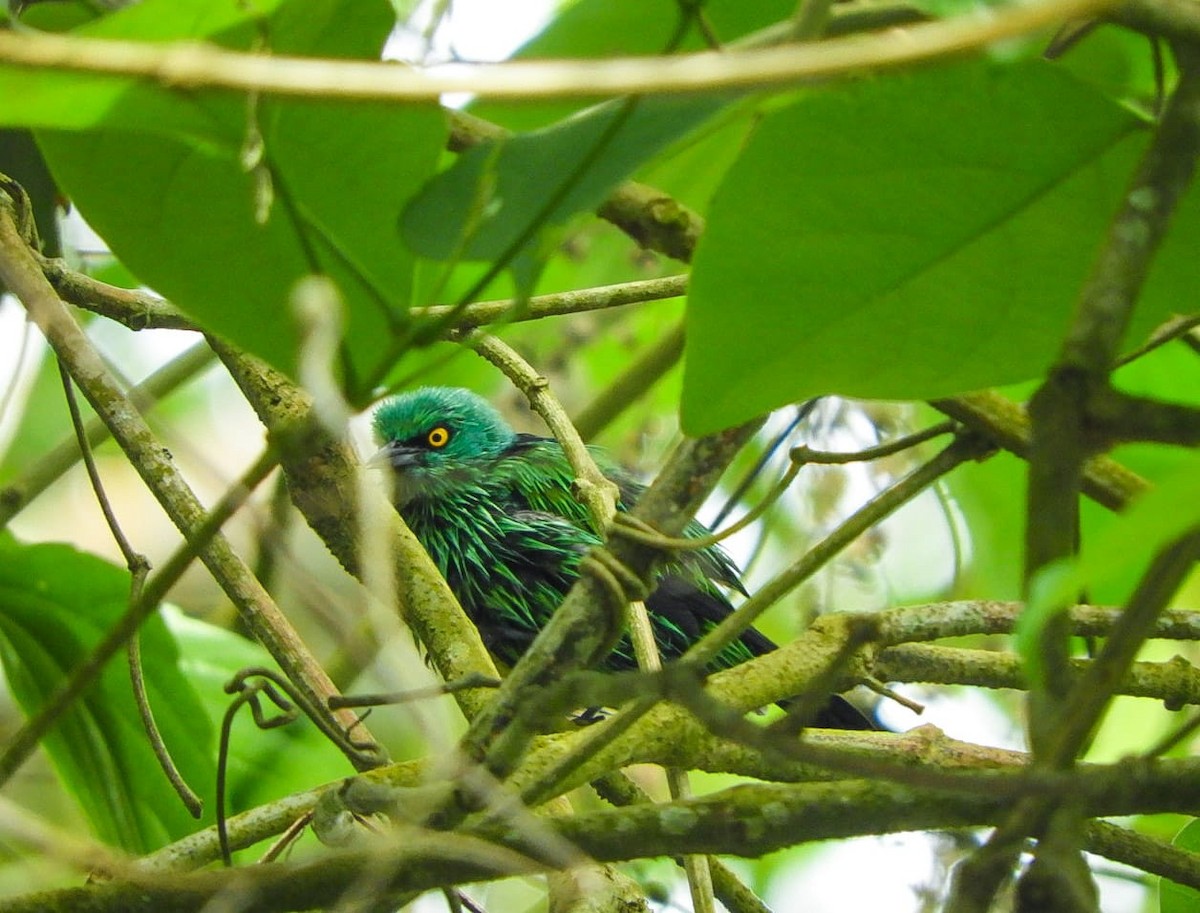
(435, 431)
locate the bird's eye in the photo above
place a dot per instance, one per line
(438, 437)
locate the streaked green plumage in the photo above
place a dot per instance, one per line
(495, 512)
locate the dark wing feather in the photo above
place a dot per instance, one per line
(684, 605)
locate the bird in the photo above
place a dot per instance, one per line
(495, 511)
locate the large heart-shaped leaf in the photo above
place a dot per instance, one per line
(911, 236)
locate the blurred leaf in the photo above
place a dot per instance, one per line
(504, 198)
(1130, 724)
(610, 28)
(868, 233)
(21, 161)
(67, 100)
(1171, 373)
(1045, 603)
(1172, 896)
(989, 494)
(263, 764)
(44, 420)
(55, 605)
(606, 28)
(181, 213)
(55, 15)
(1165, 513)
(1120, 62)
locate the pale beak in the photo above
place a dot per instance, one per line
(394, 455)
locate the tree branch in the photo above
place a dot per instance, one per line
(1063, 437)
(20, 272)
(743, 821)
(195, 66)
(1005, 423)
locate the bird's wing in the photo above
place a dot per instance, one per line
(535, 476)
(539, 478)
(712, 562)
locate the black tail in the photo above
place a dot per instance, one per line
(839, 713)
(691, 612)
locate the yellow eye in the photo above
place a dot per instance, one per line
(438, 437)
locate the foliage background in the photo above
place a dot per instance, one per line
(894, 236)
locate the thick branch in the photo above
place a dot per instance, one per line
(743, 821)
(1005, 423)
(930, 621)
(669, 736)
(1176, 683)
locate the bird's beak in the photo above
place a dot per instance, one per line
(394, 455)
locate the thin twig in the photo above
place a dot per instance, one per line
(871, 513)
(138, 566)
(594, 490)
(800, 457)
(1105, 481)
(475, 680)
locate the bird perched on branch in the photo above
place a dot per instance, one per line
(495, 511)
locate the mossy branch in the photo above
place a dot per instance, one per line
(742, 821)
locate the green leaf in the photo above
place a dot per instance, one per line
(60, 99)
(1172, 896)
(1122, 63)
(263, 764)
(54, 15)
(909, 237)
(1165, 513)
(55, 605)
(1051, 589)
(21, 161)
(986, 495)
(592, 29)
(180, 210)
(501, 197)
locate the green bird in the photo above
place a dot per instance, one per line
(495, 511)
